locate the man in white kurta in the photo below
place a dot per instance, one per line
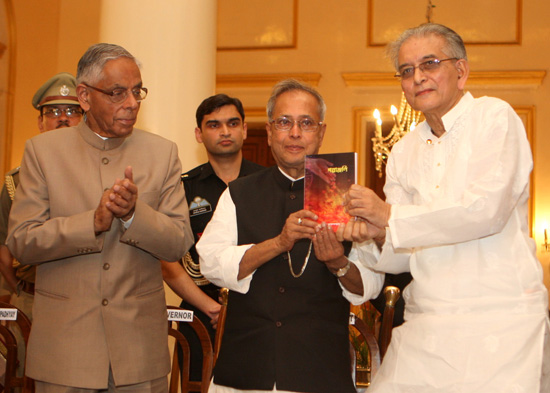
(457, 194)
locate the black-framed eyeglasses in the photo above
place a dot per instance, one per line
(120, 94)
(426, 66)
(305, 124)
(53, 112)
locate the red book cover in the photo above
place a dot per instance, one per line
(327, 178)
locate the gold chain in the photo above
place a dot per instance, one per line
(303, 266)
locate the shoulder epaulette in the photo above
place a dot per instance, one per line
(14, 171)
(192, 173)
(10, 182)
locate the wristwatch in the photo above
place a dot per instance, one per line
(343, 270)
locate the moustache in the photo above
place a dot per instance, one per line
(63, 124)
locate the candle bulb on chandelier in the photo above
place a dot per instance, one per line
(378, 130)
(393, 110)
(405, 119)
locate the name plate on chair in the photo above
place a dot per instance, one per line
(8, 314)
(180, 315)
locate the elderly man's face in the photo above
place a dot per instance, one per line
(437, 91)
(53, 117)
(107, 118)
(289, 148)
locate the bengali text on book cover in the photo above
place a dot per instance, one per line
(327, 178)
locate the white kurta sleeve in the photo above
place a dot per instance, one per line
(392, 260)
(364, 256)
(219, 254)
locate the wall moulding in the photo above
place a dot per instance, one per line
(273, 25)
(519, 79)
(387, 19)
(255, 112)
(263, 80)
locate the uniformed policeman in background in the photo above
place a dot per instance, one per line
(222, 131)
(58, 107)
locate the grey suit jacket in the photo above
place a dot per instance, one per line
(99, 300)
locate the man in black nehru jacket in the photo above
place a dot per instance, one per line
(291, 278)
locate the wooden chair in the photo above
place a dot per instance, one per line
(392, 295)
(224, 295)
(207, 357)
(11, 381)
(364, 334)
(23, 323)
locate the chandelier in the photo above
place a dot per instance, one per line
(404, 120)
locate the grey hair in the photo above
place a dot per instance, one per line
(291, 85)
(90, 65)
(454, 48)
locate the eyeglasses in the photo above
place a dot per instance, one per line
(305, 124)
(120, 94)
(427, 66)
(53, 112)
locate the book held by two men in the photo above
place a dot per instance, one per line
(327, 178)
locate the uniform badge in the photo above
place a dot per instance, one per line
(199, 206)
(64, 90)
(193, 269)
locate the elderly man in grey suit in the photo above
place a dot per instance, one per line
(100, 312)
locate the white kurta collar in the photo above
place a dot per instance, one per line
(449, 119)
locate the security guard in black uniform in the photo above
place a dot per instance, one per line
(203, 189)
(222, 130)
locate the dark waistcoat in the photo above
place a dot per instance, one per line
(285, 330)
